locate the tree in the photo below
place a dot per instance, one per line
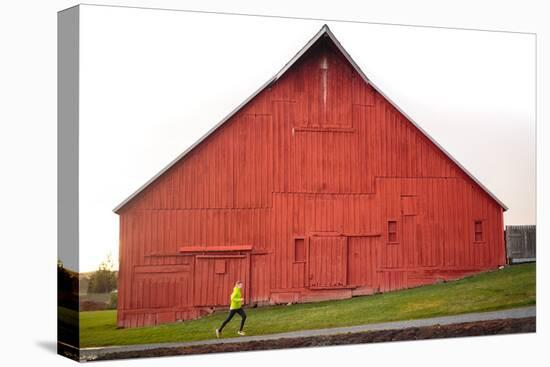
(104, 279)
(67, 287)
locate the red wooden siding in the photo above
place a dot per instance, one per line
(318, 188)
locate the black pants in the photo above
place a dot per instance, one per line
(232, 313)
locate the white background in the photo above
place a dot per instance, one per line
(28, 191)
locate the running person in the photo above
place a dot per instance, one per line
(235, 307)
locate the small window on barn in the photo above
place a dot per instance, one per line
(392, 231)
(299, 250)
(478, 231)
(219, 266)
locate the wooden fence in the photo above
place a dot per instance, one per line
(520, 243)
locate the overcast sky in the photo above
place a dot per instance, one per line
(152, 82)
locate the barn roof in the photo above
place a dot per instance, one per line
(323, 32)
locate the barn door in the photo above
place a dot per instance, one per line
(328, 261)
(161, 286)
(410, 247)
(215, 278)
(362, 267)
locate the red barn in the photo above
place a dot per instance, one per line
(316, 187)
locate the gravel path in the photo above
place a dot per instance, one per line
(93, 353)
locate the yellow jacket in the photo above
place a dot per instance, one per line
(236, 299)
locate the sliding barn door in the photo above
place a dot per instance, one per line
(215, 278)
(328, 262)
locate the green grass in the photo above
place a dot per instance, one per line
(507, 288)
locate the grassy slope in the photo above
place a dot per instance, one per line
(508, 288)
